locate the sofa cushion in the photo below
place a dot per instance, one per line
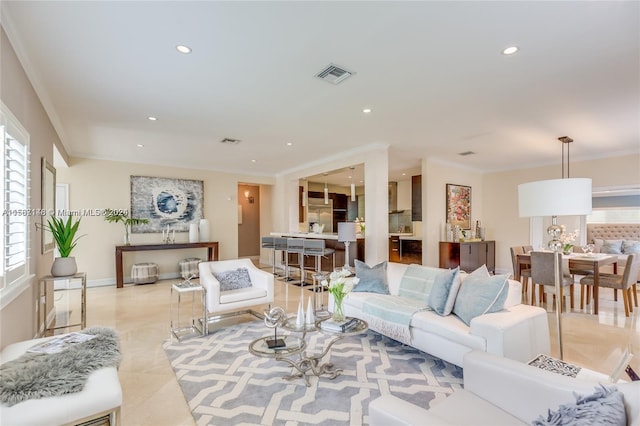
(630, 246)
(373, 279)
(481, 295)
(449, 327)
(612, 246)
(605, 406)
(444, 291)
(233, 279)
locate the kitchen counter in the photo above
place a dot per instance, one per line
(406, 236)
(324, 235)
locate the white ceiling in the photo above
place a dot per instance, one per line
(432, 72)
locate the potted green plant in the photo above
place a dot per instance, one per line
(116, 216)
(64, 233)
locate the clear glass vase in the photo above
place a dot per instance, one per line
(338, 313)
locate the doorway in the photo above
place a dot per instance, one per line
(249, 221)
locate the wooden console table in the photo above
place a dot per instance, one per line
(212, 253)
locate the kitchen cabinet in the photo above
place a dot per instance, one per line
(405, 250)
(468, 255)
(416, 198)
(394, 249)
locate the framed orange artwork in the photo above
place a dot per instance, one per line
(459, 205)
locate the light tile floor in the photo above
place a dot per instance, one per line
(152, 395)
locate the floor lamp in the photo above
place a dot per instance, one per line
(555, 197)
(347, 235)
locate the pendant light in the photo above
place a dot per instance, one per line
(326, 193)
(353, 185)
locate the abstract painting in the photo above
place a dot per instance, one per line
(459, 205)
(175, 203)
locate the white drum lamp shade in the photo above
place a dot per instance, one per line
(555, 197)
(346, 234)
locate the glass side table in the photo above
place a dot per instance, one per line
(43, 300)
(193, 330)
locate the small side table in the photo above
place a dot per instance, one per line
(42, 290)
(193, 330)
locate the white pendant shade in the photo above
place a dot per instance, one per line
(555, 197)
(353, 192)
(326, 195)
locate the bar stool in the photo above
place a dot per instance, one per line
(317, 249)
(296, 245)
(270, 243)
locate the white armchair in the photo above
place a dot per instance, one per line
(222, 304)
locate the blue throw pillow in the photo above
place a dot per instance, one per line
(373, 279)
(612, 247)
(630, 246)
(604, 407)
(481, 294)
(444, 291)
(233, 280)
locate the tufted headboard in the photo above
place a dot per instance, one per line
(613, 231)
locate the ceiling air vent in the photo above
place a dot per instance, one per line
(230, 141)
(333, 74)
(466, 153)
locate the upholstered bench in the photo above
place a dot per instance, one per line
(144, 273)
(101, 397)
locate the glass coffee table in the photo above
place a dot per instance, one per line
(294, 351)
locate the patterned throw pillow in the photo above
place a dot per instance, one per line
(233, 280)
(630, 246)
(612, 247)
(481, 294)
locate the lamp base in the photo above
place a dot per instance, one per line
(554, 231)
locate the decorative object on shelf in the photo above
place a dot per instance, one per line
(274, 318)
(194, 235)
(567, 240)
(166, 201)
(204, 230)
(556, 197)
(115, 216)
(360, 224)
(459, 206)
(169, 236)
(64, 234)
(346, 235)
(339, 288)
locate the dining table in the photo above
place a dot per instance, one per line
(576, 262)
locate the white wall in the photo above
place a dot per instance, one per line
(98, 184)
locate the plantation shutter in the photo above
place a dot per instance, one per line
(16, 205)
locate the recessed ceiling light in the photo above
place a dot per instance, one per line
(140, 145)
(253, 161)
(183, 49)
(366, 110)
(404, 174)
(152, 118)
(289, 143)
(510, 50)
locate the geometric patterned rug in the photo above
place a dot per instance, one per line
(224, 384)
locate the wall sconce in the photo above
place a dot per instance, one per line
(249, 197)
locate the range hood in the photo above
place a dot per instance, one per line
(393, 198)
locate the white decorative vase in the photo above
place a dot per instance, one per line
(64, 267)
(204, 230)
(193, 233)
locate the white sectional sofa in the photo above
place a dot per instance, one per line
(518, 331)
(499, 391)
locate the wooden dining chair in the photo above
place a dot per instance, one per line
(525, 272)
(542, 274)
(624, 282)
